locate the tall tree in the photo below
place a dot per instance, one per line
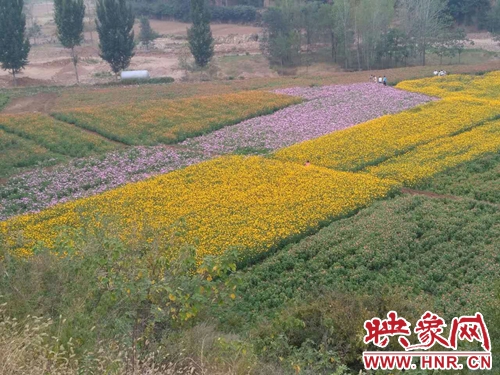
(14, 44)
(146, 35)
(68, 16)
(424, 20)
(281, 42)
(115, 22)
(201, 42)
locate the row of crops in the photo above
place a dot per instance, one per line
(254, 204)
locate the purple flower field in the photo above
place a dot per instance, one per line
(329, 108)
(42, 188)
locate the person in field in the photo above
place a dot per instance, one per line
(385, 81)
(379, 79)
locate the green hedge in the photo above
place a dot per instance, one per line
(180, 10)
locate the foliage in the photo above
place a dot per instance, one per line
(34, 31)
(14, 44)
(115, 22)
(4, 100)
(378, 248)
(281, 42)
(170, 121)
(146, 35)
(464, 11)
(139, 293)
(491, 21)
(68, 16)
(20, 153)
(476, 179)
(236, 14)
(201, 42)
(136, 82)
(411, 253)
(439, 155)
(54, 135)
(375, 141)
(252, 204)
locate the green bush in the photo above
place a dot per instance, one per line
(181, 10)
(4, 99)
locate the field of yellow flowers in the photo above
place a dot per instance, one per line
(375, 141)
(255, 204)
(439, 155)
(248, 203)
(457, 85)
(168, 121)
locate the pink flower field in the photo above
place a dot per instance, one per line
(327, 109)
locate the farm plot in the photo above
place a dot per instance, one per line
(330, 108)
(477, 179)
(483, 87)
(449, 270)
(54, 135)
(22, 153)
(42, 188)
(170, 121)
(378, 140)
(247, 203)
(439, 155)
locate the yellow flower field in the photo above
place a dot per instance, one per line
(441, 154)
(375, 141)
(251, 203)
(167, 121)
(480, 87)
(55, 135)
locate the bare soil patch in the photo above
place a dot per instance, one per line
(42, 102)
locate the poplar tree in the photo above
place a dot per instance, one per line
(146, 35)
(115, 22)
(14, 44)
(201, 42)
(68, 16)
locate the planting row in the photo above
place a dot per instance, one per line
(338, 107)
(252, 204)
(34, 139)
(168, 121)
(330, 108)
(436, 156)
(378, 140)
(484, 87)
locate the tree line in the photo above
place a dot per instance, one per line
(366, 34)
(114, 23)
